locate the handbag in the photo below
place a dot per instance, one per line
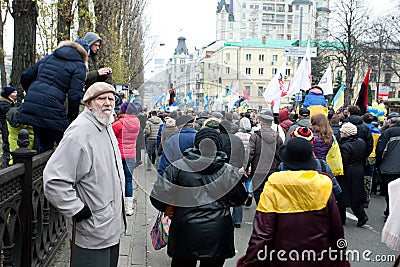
(160, 231)
(334, 158)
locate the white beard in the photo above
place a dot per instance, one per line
(102, 115)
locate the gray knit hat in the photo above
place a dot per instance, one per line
(91, 38)
(348, 129)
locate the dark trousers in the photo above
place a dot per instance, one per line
(5, 158)
(193, 263)
(386, 179)
(151, 152)
(359, 212)
(106, 257)
(47, 138)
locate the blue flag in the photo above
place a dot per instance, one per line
(338, 100)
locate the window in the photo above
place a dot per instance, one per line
(248, 57)
(340, 59)
(388, 79)
(260, 57)
(274, 70)
(244, 5)
(260, 91)
(227, 56)
(372, 77)
(387, 63)
(280, 8)
(261, 71)
(274, 58)
(248, 71)
(280, 18)
(287, 72)
(340, 73)
(227, 70)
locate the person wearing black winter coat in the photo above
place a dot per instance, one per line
(202, 187)
(7, 101)
(354, 153)
(233, 147)
(363, 131)
(387, 156)
(47, 84)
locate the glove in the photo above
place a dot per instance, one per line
(83, 214)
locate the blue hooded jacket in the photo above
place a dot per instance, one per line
(48, 82)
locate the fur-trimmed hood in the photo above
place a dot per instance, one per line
(62, 51)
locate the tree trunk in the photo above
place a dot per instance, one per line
(85, 25)
(2, 53)
(25, 14)
(65, 19)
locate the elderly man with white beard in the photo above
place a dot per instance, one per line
(84, 180)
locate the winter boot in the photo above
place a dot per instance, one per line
(129, 206)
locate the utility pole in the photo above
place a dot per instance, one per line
(298, 98)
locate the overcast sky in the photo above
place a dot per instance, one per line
(193, 19)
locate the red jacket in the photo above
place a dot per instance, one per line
(126, 130)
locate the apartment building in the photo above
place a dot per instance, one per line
(275, 19)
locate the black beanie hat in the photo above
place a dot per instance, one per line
(210, 133)
(8, 90)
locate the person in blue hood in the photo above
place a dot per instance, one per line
(47, 84)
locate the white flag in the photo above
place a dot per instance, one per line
(276, 85)
(276, 105)
(326, 82)
(233, 96)
(302, 77)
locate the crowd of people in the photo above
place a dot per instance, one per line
(301, 169)
(269, 147)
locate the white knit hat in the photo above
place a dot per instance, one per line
(348, 129)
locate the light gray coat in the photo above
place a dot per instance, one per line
(86, 169)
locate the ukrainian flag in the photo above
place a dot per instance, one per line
(338, 100)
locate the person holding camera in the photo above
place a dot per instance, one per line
(95, 73)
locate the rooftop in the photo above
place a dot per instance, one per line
(271, 43)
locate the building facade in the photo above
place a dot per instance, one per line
(275, 19)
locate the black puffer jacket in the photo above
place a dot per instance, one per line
(388, 151)
(201, 226)
(48, 83)
(354, 154)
